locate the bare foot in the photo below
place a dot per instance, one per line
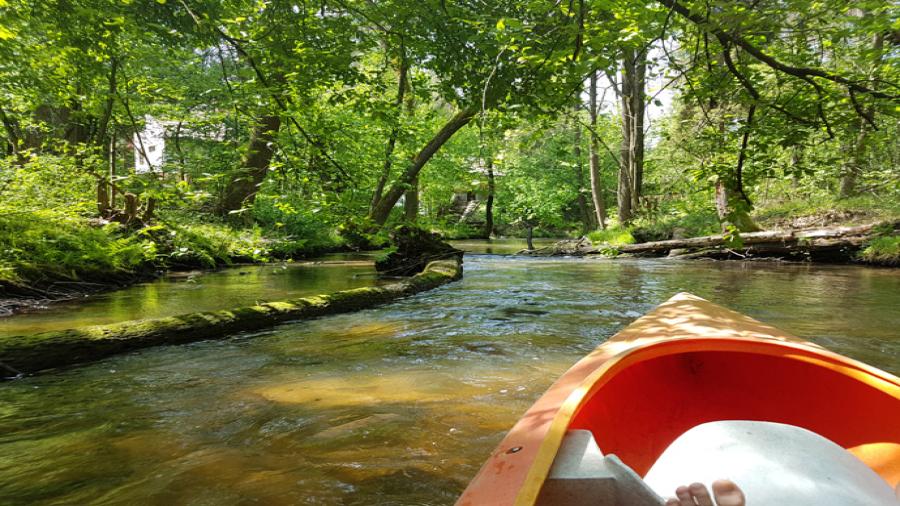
(726, 493)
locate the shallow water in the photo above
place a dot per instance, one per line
(395, 405)
(185, 292)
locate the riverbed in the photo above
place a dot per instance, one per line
(395, 405)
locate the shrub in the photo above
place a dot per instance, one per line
(295, 227)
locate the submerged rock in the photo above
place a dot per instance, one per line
(414, 248)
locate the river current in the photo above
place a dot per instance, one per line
(395, 405)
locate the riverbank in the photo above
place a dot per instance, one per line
(48, 257)
(30, 354)
(874, 243)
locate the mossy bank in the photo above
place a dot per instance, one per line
(30, 354)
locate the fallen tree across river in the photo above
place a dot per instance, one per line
(21, 355)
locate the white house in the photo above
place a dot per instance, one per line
(150, 145)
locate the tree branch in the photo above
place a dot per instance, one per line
(282, 102)
(805, 73)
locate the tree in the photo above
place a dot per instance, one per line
(632, 98)
(492, 76)
(596, 189)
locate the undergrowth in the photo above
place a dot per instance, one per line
(829, 209)
(882, 250)
(42, 247)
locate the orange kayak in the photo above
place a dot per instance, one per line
(687, 363)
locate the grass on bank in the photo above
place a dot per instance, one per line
(44, 246)
(826, 210)
(613, 236)
(882, 251)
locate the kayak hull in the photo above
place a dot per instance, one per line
(686, 363)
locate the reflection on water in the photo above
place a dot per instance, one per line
(395, 405)
(186, 292)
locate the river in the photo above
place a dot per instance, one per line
(395, 405)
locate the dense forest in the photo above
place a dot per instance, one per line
(140, 135)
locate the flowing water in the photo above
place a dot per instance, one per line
(395, 405)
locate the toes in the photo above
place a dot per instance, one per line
(700, 494)
(673, 502)
(684, 496)
(727, 493)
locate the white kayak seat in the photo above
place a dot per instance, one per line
(582, 475)
(773, 463)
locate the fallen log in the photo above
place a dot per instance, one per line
(21, 355)
(566, 247)
(812, 238)
(821, 250)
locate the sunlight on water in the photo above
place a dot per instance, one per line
(395, 405)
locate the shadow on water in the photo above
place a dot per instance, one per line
(395, 405)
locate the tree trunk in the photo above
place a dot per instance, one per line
(181, 175)
(796, 166)
(411, 201)
(853, 167)
(112, 170)
(489, 205)
(395, 132)
(631, 171)
(625, 185)
(105, 189)
(732, 204)
(529, 234)
(379, 214)
(104, 206)
(131, 208)
(103, 125)
(13, 133)
(241, 190)
(637, 124)
(587, 220)
(596, 189)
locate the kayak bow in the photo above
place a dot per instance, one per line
(686, 363)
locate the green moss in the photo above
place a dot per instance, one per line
(54, 349)
(882, 251)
